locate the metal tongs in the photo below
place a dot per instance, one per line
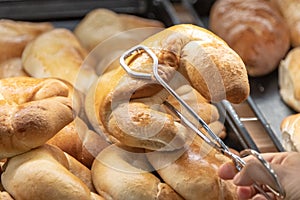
(214, 141)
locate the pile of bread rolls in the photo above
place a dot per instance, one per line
(67, 132)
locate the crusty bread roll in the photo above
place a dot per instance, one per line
(290, 11)
(194, 173)
(290, 130)
(129, 109)
(79, 141)
(100, 24)
(32, 111)
(45, 173)
(5, 196)
(15, 35)
(58, 53)
(254, 29)
(126, 174)
(12, 68)
(289, 77)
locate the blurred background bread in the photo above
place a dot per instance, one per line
(15, 35)
(290, 11)
(255, 29)
(100, 24)
(58, 53)
(290, 128)
(289, 79)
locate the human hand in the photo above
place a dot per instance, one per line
(285, 164)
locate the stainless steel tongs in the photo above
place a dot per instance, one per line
(213, 140)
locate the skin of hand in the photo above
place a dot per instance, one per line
(285, 164)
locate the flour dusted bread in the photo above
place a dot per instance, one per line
(124, 173)
(58, 54)
(32, 111)
(12, 68)
(290, 130)
(100, 24)
(194, 173)
(290, 11)
(289, 76)
(45, 173)
(255, 29)
(130, 110)
(15, 35)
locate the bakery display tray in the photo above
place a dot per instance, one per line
(266, 98)
(68, 13)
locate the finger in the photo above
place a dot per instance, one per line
(259, 197)
(245, 192)
(253, 172)
(227, 171)
(262, 197)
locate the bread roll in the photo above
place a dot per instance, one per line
(288, 79)
(290, 130)
(59, 54)
(290, 11)
(254, 29)
(126, 174)
(32, 111)
(15, 35)
(79, 141)
(194, 174)
(44, 173)
(100, 24)
(12, 68)
(5, 196)
(129, 109)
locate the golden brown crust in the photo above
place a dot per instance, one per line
(43, 173)
(255, 30)
(79, 141)
(32, 111)
(180, 48)
(289, 76)
(194, 174)
(125, 173)
(58, 53)
(15, 35)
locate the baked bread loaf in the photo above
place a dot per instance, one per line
(126, 174)
(288, 79)
(45, 173)
(290, 11)
(130, 110)
(31, 112)
(194, 173)
(58, 54)
(100, 24)
(12, 68)
(254, 29)
(15, 35)
(290, 130)
(79, 141)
